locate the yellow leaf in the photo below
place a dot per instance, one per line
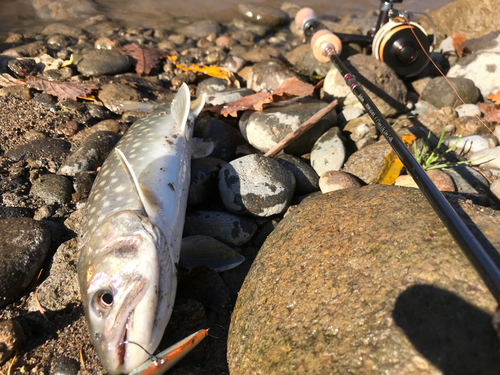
(392, 165)
(68, 62)
(494, 97)
(212, 71)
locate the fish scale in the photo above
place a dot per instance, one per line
(131, 235)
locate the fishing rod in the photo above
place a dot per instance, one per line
(327, 47)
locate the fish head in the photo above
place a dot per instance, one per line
(120, 273)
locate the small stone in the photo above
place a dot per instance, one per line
(367, 162)
(233, 230)
(24, 246)
(468, 125)
(334, 180)
(228, 95)
(23, 67)
(83, 183)
(200, 29)
(329, 152)
(33, 134)
(91, 154)
(20, 92)
(223, 136)
(103, 62)
(349, 114)
(44, 212)
(62, 29)
(441, 179)
(34, 49)
(11, 338)
(468, 110)
(50, 148)
(261, 15)
(269, 75)
(211, 85)
(495, 188)
(8, 212)
(256, 185)
(52, 189)
(439, 93)
(65, 366)
(305, 177)
(467, 144)
(486, 159)
(467, 180)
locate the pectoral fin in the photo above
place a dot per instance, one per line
(148, 200)
(200, 148)
(207, 251)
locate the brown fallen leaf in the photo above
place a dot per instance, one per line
(63, 90)
(457, 41)
(8, 80)
(291, 88)
(144, 59)
(494, 97)
(491, 112)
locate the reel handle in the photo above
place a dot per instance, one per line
(317, 34)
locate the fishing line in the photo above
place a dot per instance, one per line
(153, 358)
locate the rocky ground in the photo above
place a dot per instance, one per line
(52, 143)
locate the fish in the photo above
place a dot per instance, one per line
(131, 234)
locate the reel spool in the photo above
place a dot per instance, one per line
(395, 44)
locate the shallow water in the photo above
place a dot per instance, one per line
(20, 13)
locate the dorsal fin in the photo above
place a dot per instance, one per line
(149, 206)
(180, 107)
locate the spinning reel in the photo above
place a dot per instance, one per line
(393, 42)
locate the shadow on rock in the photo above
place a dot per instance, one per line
(454, 335)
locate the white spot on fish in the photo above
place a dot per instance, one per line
(105, 204)
(92, 210)
(114, 180)
(119, 189)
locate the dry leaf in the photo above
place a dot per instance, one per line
(457, 41)
(8, 80)
(491, 111)
(292, 87)
(494, 97)
(62, 90)
(392, 165)
(144, 59)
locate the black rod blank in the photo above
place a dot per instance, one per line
(476, 254)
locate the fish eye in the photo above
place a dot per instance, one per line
(103, 299)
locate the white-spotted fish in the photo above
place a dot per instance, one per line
(131, 235)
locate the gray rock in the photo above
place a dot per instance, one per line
(11, 338)
(49, 148)
(200, 29)
(223, 136)
(114, 94)
(204, 174)
(90, 155)
(23, 67)
(61, 286)
(231, 229)
(349, 114)
(367, 163)
(303, 60)
(52, 188)
(467, 180)
(269, 75)
(421, 108)
(24, 246)
(334, 180)
(256, 185)
(261, 15)
(467, 144)
(265, 129)
(439, 93)
(252, 28)
(83, 183)
(65, 366)
(211, 85)
(328, 153)
(483, 69)
(306, 179)
(99, 62)
(33, 49)
(487, 43)
(361, 127)
(228, 95)
(495, 188)
(62, 29)
(380, 82)
(63, 10)
(349, 282)
(8, 212)
(465, 110)
(486, 159)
